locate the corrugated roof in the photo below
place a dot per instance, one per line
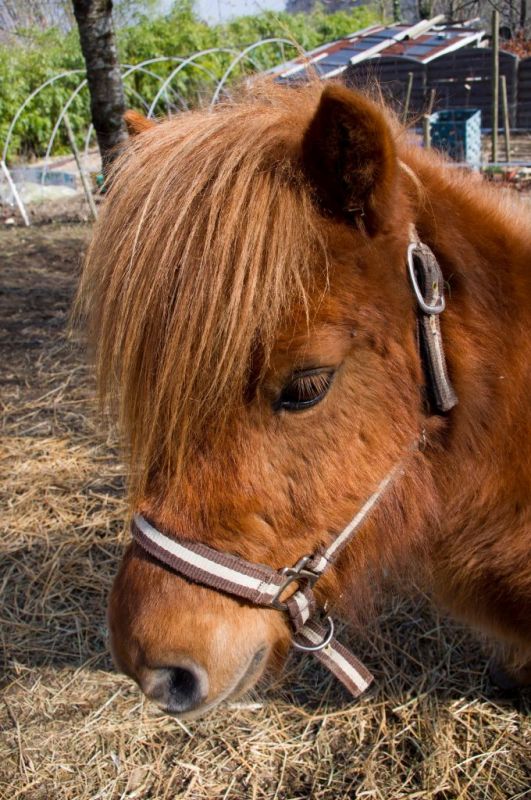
(421, 42)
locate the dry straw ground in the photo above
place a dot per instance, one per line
(433, 727)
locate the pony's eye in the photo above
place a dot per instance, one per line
(304, 390)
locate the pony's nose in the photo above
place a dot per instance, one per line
(181, 688)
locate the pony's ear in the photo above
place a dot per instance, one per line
(136, 123)
(349, 156)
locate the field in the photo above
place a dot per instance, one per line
(432, 728)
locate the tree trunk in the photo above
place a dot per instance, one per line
(397, 12)
(107, 103)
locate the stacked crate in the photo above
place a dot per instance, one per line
(457, 132)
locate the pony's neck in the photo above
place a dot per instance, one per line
(482, 241)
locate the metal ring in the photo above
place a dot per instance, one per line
(435, 309)
(321, 646)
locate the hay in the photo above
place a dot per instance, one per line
(70, 728)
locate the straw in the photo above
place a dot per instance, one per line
(433, 728)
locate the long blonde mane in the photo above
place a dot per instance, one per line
(203, 244)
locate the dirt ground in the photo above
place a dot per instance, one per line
(432, 728)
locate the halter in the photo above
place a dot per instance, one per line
(263, 586)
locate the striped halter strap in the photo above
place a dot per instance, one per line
(290, 590)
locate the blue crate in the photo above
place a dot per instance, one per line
(457, 132)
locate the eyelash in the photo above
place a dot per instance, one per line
(304, 390)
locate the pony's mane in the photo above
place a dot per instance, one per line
(208, 239)
(204, 243)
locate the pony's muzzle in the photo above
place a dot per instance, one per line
(178, 689)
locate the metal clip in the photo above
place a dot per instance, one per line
(296, 574)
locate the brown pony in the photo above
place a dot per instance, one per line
(255, 332)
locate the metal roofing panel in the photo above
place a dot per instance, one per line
(388, 33)
(342, 58)
(423, 46)
(418, 50)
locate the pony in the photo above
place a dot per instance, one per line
(255, 335)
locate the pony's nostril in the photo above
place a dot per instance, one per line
(176, 689)
(186, 688)
(182, 684)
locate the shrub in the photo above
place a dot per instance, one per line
(38, 56)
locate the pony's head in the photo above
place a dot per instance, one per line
(255, 331)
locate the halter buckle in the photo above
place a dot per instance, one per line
(439, 305)
(295, 574)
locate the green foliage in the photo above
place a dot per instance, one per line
(23, 68)
(41, 55)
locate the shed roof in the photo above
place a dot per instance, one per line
(421, 42)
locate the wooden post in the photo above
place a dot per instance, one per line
(84, 181)
(426, 121)
(397, 13)
(426, 132)
(408, 97)
(431, 102)
(506, 123)
(495, 81)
